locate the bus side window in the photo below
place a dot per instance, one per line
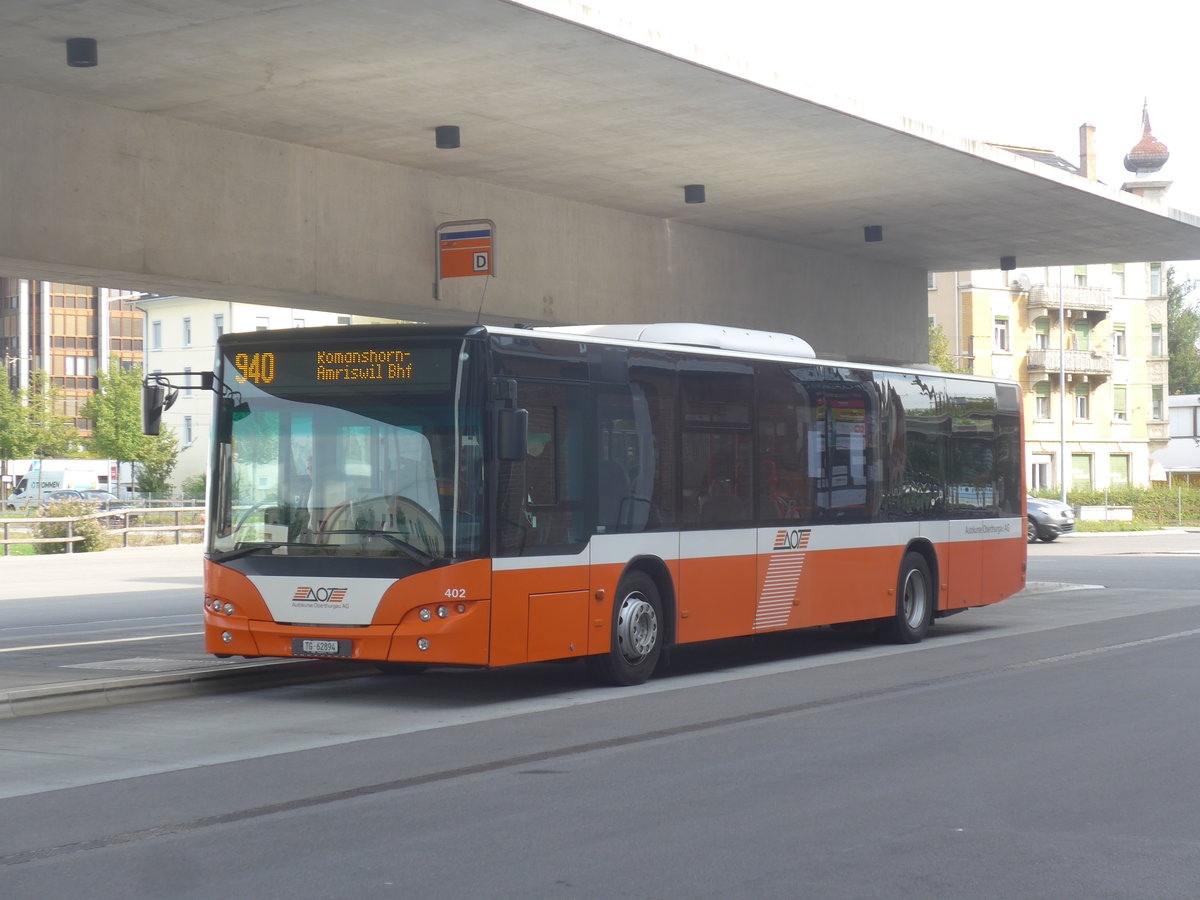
(718, 476)
(543, 498)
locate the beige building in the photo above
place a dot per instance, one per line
(181, 336)
(1088, 345)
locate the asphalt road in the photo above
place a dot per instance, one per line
(1044, 747)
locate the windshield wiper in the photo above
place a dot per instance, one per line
(412, 550)
(265, 545)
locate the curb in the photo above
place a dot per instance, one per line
(95, 693)
(1034, 588)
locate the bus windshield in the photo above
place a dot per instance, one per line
(322, 452)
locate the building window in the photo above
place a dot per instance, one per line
(1120, 411)
(1119, 348)
(262, 323)
(343, 320)
(1118, 470)
(187, 331)
(1041, 333)
(187, 430)
(218, 326)
(1183, 421)
(1000, 334)
(1156, 402)
(931, 281)
(1083, 334)
(1156, 279)
(1081, 276)
(1039, 473)
(1118, 279)
(1082, 395)
(1156, 341)
(1041, 403)
(156, 335)
(297, 323)
(1081, 471)
(187, 381)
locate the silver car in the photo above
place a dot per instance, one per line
(1048, 519)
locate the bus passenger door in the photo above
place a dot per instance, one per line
(718, 547)
(541, 576)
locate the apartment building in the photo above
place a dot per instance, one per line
(1088, 345)
(70, 331)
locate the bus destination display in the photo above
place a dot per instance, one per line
(421, 368)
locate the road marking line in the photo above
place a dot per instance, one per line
(149, 637)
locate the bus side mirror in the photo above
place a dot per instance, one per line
(153, 403)
(512, 433)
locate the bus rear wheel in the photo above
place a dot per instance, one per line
(914, 602)
(636, 639)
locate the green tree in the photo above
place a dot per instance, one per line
(116, 413)
(939, 350)
(157, 462)
(50, 433)
(1183, 337)
(15, 440)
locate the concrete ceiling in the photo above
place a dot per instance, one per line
(554, 108)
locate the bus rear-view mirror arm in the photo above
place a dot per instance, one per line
(159, 394)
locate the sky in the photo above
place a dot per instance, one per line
(1025, 73)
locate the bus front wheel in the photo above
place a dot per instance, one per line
(914, 602)
(636, 640)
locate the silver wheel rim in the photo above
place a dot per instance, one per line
(916, 597)
(637, 628)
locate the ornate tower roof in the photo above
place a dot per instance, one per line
(1149, 154)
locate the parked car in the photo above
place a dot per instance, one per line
(103, 499)
(1048, 519)
(100, 500)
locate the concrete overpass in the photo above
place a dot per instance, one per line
(284, 153)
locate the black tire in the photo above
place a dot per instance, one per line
(636, 636)
(914, 602)
(1031, 531)
(1049, 538)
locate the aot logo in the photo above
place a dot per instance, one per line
(792, 539)
(319, 595)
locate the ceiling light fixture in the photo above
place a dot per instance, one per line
(82, 53)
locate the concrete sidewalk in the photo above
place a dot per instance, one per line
(38, 687)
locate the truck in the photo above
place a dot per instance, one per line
(37, 477)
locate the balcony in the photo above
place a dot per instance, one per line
(1084, 299)
(1158, 431)
(1076, 362)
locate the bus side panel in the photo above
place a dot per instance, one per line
(539, 602)
(1004, 567)
(962, 570)
(847, 585)
(717, 584)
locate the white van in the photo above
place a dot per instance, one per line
(57, 474)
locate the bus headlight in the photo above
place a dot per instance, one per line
(226, 637)
(443, 612)
(425, 614)
(422, 643)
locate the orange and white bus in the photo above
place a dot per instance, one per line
(485, 496)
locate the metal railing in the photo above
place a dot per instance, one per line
(123, 522)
